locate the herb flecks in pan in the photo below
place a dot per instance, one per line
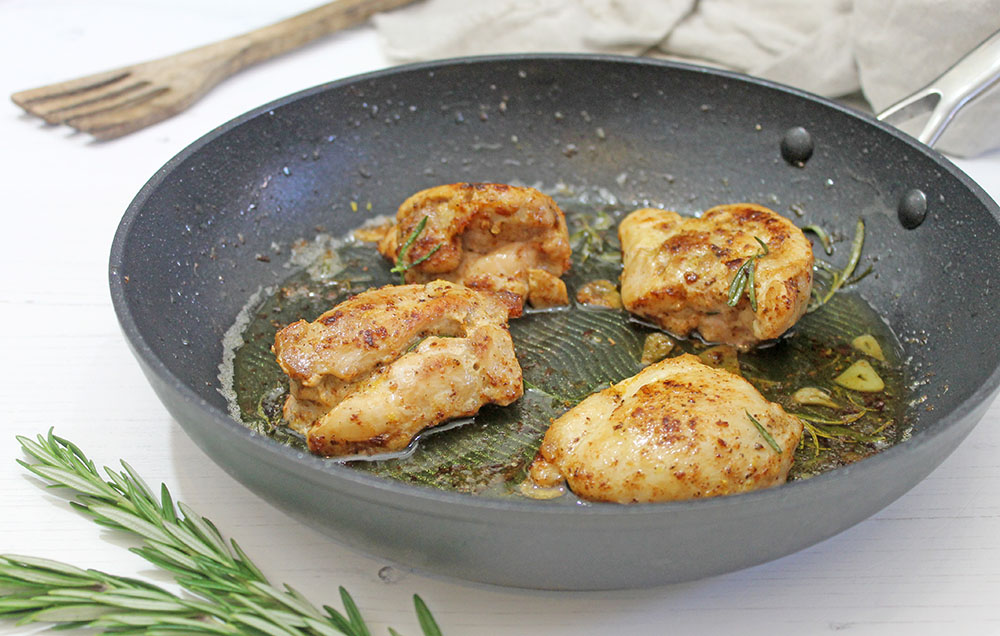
(567, 354)
(842, 277)
(402, 266)
(745, 280)
(763, 432)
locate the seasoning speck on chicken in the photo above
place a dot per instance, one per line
(368, 375)
(679, 429)
(492, 237)
(678, 272)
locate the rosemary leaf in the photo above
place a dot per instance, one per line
(260, 624)
(402, 266)
(353, 615)
(427, 622)
(842, 277)
(167, 505)
(425, 256)
(134, 602)
(245, 564)
(277, 616)
(321, 628)
(117, 481)
(856, 245)
(338, 619)
(745, 279)
(46, 564)
(292, 600)
(149, 624)
(739, 284)
(66, 478)
(130, 522)
(752, 284)
(39, 576)
(205, 530)
(35, 450)
(860, 277)
(69, 614)
(763, 246)
(143, 489)
(189, 539)
(167, 554)
(823, 237)
(763, 431)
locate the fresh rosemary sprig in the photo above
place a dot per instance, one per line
(745, 279)
(837, 432)
(841, 277)
(402, 266)
(823, 237)
(763, 431)
(233, 595)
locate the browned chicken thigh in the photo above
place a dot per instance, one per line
(488, 236)
(371, 373)
(678, 272)
(679, 429)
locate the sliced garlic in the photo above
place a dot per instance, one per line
(868, 345)
(860, 376)
(814, 396)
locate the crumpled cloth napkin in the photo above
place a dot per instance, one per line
(884, 49)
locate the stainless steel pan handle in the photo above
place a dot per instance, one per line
(952, 90)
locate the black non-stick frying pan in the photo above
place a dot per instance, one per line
(185, 261)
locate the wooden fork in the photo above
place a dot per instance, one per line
(114, 103)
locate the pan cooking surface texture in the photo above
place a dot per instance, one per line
(215, 226)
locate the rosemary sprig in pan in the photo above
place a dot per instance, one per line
(823, 237)
(841, 277)
(763, 431)
(745, 279)
(230, 595)
(402, 266)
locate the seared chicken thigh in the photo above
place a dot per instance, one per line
(378, 368)
(678, 272)
(679, 429)
(488, 236)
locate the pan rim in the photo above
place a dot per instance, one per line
(453, 504)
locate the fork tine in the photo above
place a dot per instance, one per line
(58, 110)
(25, 99)
(128, 116)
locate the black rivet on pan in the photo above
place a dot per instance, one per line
(912, 208)
(796, 146)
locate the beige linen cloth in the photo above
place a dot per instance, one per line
(882, 49)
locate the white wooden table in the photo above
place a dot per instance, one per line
(927, 564)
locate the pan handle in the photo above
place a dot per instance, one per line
(953, 89)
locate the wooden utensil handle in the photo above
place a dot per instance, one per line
(267, 42)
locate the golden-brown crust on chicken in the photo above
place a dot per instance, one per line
(378, 368)
(678, 429)
(678, 271)
(489, 236)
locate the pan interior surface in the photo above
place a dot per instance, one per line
(567, 354)
(215, 227)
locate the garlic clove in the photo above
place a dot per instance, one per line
(860, 376)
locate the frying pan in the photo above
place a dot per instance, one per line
(185, 260)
